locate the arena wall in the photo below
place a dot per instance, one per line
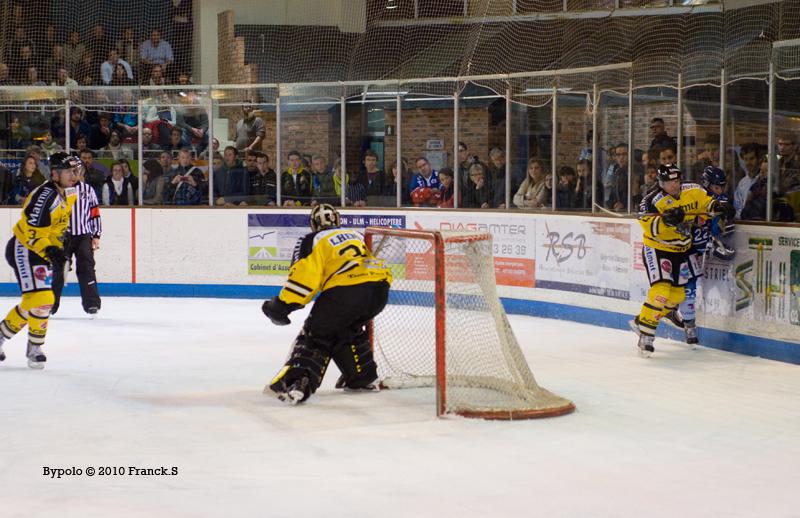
(552, 265)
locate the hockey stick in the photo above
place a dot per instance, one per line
(640, 214)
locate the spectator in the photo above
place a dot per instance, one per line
(477, 191)
(667, 156)
(466, 161)
(214, 149)
(149, 148)
(531, 192)
(180, 12)
(20, 65)
(62, 78)
(108, 68)
(398, 175)
(659, 134)
(19, 40)
(55, 61)
(586, 150)
(115, 149)
(125, 118)
(28, 178)
(755, 207)
(565, 193)
(355, 193)
(373, 178)
(117, 190)
(615, 185)
(428, 179)
(165, 159)
(50, 146)
(81, 145)
(126, 167)
(33, 77)
(788, 165)
(187, 184)
(6, 184)
(73, 52)
(5, 79)
(20, 133)
(447, 193)
(323, 187)
(497, 165)
(649, 183)
(583, 186)
(155, 51)
(92, 176)
(37, 152)
(263, 181)
(153, 178)
(127, 48)
(176, 142)
(193, 120)
(100, 45)
(751, 156)
(157, 76)
(232, 181)
(250, 130)
(101, 132)
(709, 156)
(184, 79)
(295, 182)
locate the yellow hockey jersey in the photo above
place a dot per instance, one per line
(327, 259)
(693, 199)
(45, 218)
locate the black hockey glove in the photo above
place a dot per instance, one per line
(278, 311)
(673, 217)
(56, 257)
(724, 208)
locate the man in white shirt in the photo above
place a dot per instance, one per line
(107, 68)
(751, 156)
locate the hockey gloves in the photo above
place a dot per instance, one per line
(278, 311)
(724, 208)
(673, 217)
(56, 257)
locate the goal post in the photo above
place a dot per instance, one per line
(444, 327)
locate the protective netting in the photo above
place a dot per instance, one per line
(486, 374)
(405, 39)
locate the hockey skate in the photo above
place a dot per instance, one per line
(2, 354)
(292, 394)
(634, 325)
(372, 386)
(36, 357)
(92, 311)
(673, 318)
(646, 348)
(691, 334)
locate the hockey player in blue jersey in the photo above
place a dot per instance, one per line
(706, 238)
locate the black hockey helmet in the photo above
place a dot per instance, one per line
(668, 172)
(62, 160)
(324, 216)
(713, 176)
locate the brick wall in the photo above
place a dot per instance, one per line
(232, 68)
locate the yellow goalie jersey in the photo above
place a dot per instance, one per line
(693, 199)
(327, 259)
(45, 218)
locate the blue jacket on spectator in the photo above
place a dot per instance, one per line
(420, 181)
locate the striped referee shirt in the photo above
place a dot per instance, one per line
(85, 218)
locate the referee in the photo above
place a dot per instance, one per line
(82, 239)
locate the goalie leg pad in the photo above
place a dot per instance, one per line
(354, 358)
(305, 361)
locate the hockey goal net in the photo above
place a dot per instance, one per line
(445, 327)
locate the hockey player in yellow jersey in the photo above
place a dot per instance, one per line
(353, 288)
(36, 249)
(666, 215)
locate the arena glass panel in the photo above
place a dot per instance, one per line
(787, 131)
(311, 129)
(232, 104)
(426, 138)
(613, 120)
(654, 136)
(371, 143)
(531, 149)
(174, 121)
(701, 127)
(573, 152)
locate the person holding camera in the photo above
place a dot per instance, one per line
(186, 184)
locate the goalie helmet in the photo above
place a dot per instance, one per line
(713, 176)
(61, 160)
(324, 216)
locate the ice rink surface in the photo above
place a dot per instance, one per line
(177, 382)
